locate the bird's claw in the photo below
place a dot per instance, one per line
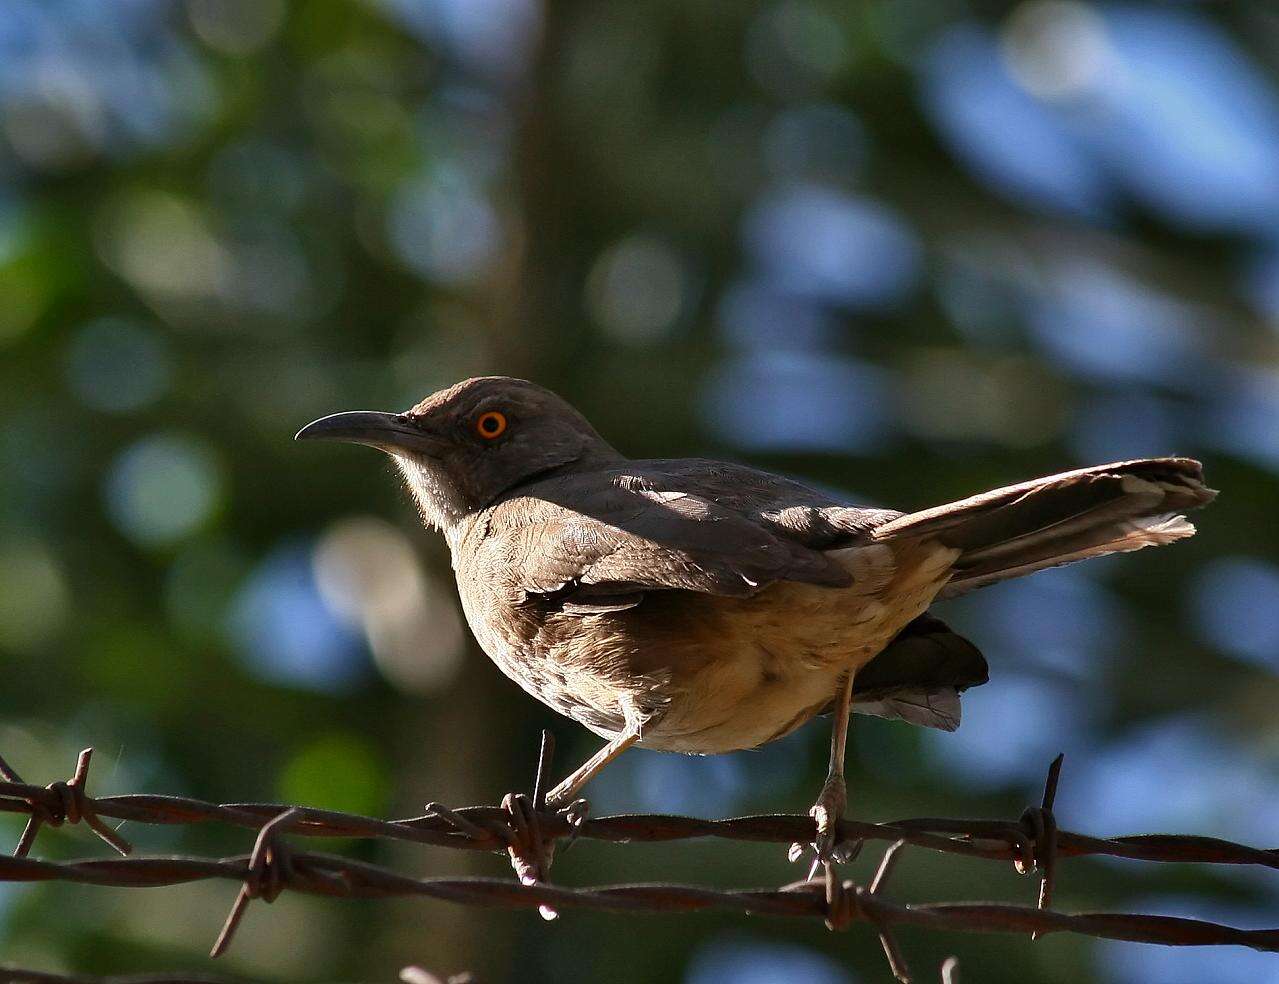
(827, 812)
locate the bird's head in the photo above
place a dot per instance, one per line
(461, 448)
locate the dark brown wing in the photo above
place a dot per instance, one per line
(621, 544)
(785, 507)
(598, 541)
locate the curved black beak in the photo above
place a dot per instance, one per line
(372, 427)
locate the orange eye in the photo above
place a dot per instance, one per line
(490, 424)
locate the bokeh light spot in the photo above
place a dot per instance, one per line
(1236, 607)
(752, 316)
(369, 576)
(1055, 48)
(638, 289)
(444, 228)
(163, 245)
(826, 245)
(337, 772)
(494, 38)
(285, 632)
(34, 601)
(1005, 137)
(1012, 728)
(775, 400)
(1183, 773)
(163, 488)
(236, 27)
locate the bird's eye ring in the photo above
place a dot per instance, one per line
(490, 424)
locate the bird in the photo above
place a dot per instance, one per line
(701, 606)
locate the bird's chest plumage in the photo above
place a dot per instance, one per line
(703, 673)
(574, 665)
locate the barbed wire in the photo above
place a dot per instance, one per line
(528, 832)
(989, 839)
(18, 975)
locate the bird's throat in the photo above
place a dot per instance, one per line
(439, 501)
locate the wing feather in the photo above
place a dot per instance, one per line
(597, 542)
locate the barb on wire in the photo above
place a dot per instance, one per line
(531, 852)
(528, 832)
(844, 906)
(268, 868)
(472, 828)
(315, 873)
(64, 802)
(1041, 825)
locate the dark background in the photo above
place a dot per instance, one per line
(906, 249)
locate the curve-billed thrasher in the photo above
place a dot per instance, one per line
(697, 606)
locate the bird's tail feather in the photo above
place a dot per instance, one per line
(1060, 519)
(919, 676)
(937, 708)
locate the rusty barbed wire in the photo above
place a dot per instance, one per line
(989, 839)
(19, 975)
(841, 903)
(528, 832)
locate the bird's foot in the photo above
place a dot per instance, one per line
(575, 812)
(827, 812)
(530, 853)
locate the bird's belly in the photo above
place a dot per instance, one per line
(782, 654)
(701, 673)
(733, 706)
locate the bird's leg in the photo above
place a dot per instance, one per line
(563, 794)
(832, 800)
